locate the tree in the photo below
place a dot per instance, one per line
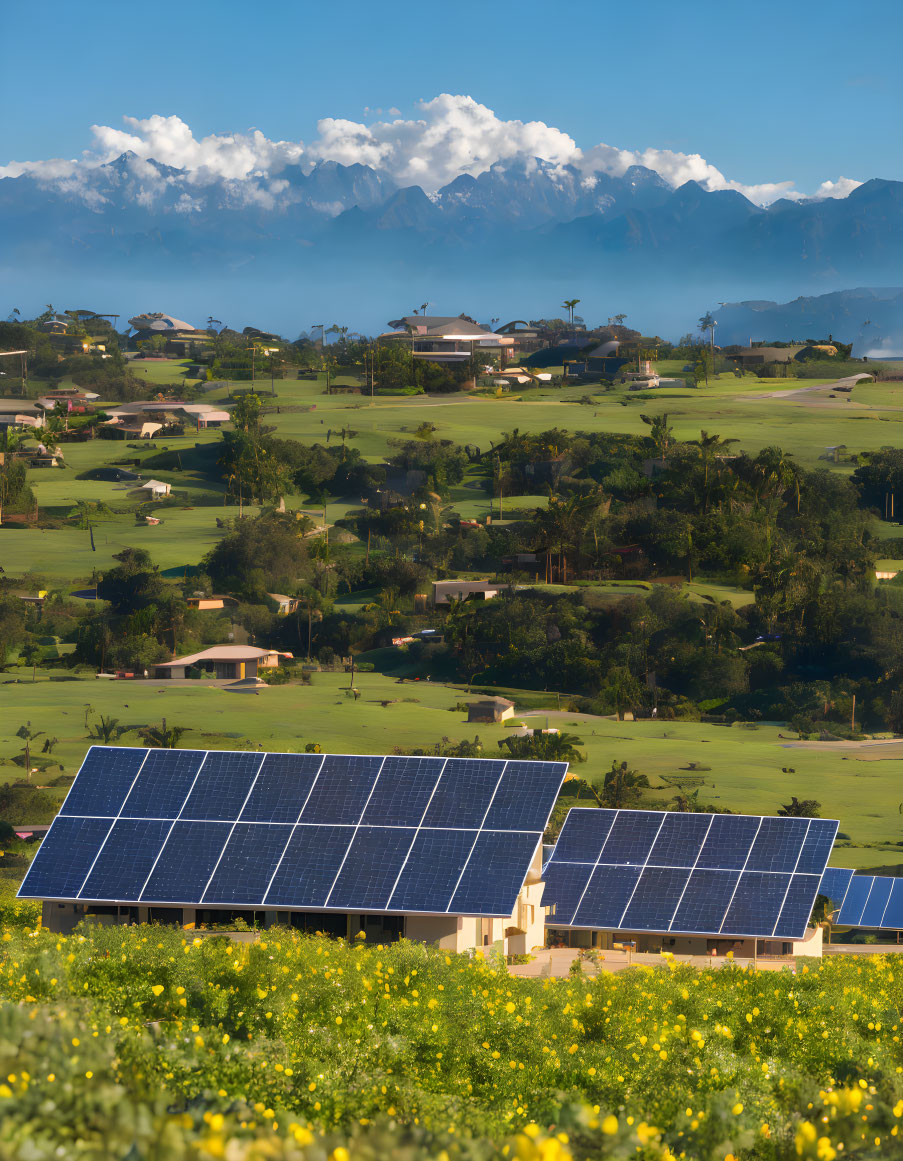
(107, 729)
(542, 747)
(569, 304)
(800, 808)
(134, 584)
(28, 735)
(661, 434)
(163, 737)
(622, 787)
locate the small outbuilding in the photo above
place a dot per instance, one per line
(490, 709)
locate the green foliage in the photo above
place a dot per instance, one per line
(304, 1045)
(266, 553)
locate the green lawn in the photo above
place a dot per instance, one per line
(745, 763)
(739, 408)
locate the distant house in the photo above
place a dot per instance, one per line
(179, 335)
(223, 662)
(127, 415)
(42, 457)
(20, 413)
(490, 709)
(198, 601)
(756, 356)
(154, 488)
(444, 591)
(282, 605)
(57, 324)
(443, 339)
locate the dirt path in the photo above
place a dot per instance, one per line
(799, 392)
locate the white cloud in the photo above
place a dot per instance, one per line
(449, 136)
(837, 189)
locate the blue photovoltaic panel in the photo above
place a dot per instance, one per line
(341, 790)
(705, 901)
(186, 862)
(495, 872)
(797, 906)
(248, 862)
(518, 803)
(893, 913)
(303, 831)
(583, 836)
(756, 907)
(223, 783)
(661, 872)
(655, 899)
(163, 784)
(64, 858)
(817, 847)
(125, 859)
(403, 791)
(606, 896)
(873, 911)
(103, 781)
(282, 787)
(834, 883)
(309, 866)
(464, 793)
(631, 837)
(871, 901)
(855, 900)
(679, 840)
(778, 844)
(373, 863)
(432, 870)
(565, 884)
(728, 841)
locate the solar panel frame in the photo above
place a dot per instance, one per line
(262, 782)
(758, 869)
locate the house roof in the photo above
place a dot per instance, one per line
(152, 484)
(159, 322)
(436, 326)
(223, 653)
(500, 702)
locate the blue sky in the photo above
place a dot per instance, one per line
(794, 91)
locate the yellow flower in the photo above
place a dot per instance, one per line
(610, 1126)
(157, 989)
(737, 1109)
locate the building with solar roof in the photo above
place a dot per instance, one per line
(443, 850)
(688, 883)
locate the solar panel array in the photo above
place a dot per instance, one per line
(296, 831)
(666, 872)
(864, 900)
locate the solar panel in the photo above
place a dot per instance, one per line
(659, 871)
(870, 901)
(834, 883)
(296, 831)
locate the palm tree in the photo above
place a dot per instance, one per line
(163, 738)
(544, 747)
(569, 304)
(709, 446)
(28, 735)
(622, 786)
(107, 729)
(661, 435)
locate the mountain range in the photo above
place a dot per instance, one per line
(347, 242)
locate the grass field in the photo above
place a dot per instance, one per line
(740, 408)
(745, 763)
